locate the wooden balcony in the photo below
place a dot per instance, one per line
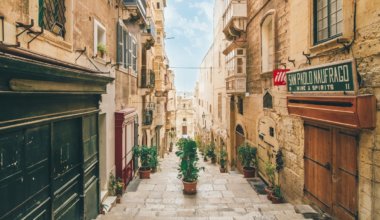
(234, 19)
(236, 84)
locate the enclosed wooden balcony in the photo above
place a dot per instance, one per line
(234, 18)
(236, 68)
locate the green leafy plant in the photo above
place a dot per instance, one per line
(223, 158)
(279, 161)
(119, 187)
(210, 153)
(270, 170)
(112, 184)
(188, 169)
(247, 155)
(153, 159)
(277, 191)
(181, 142)
(102, 48)
(144, 154)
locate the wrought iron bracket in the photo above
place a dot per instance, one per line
(109, 62)
(81, 51)
(3, 35)
(308, 57)
(282, 64)
(115, 64)
(346, 46)
(36, 34)
(26, 27)
(292, 61)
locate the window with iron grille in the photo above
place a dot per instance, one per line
(52, 16)
(268, 100)
(328, 20)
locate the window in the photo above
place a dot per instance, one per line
(51, 16)
(184, 119)
(240, 105)
(267, 100)
(99, 39)
(271, 131)
(267, 44)
(126, 48)
(328, 19)
(158, 5)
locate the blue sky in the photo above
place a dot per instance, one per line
(190, 23)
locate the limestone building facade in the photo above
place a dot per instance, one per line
(323, 115)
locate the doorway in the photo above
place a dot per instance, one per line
(331, 170)
(239, 140)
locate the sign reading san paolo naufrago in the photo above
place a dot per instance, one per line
(334, 77)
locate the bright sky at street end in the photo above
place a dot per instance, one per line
(190, 23)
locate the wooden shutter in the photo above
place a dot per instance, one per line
(119, 43)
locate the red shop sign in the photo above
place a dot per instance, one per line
(279, 77)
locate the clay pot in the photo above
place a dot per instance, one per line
(118, 199)
(144, 173)
(276, 200)
(223, 170)
(269, 191)
(189, 188)
(249, 172)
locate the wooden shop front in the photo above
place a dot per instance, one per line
(49, 162)
(326, 98)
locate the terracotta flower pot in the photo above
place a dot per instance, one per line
(269, 191)
(144, 173)
(223, 170)
(276, 200)
(249, 172)
(189, 188)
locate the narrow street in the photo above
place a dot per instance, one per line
(220, 196)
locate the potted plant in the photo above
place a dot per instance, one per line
(153, 159)
(112, 184)
(101, 49)
(223, 161)
(276, 196)
(270, 170)
(119, 189)
(188, 169)
(247, 157)
(144, 154)
(211, 153)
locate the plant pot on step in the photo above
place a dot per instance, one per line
(144, 173)
(189, 188)
(276, 200)
(223, 170)
(269, 191)
(118, 199)
(249, 172)
(213, 160)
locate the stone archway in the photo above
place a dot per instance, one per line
(239, 140)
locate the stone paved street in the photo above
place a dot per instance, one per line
(220, 197)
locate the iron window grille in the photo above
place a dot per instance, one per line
(328, 20)
(52, 16)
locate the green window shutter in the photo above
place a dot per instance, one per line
(119, 43)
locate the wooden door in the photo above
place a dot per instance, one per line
(331, 170)
(184, 130)
(318, 160)
(238, 141)
(345, 176)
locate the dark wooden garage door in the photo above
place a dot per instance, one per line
(331, 170)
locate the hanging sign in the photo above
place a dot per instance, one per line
(334, 77)
(279, 77)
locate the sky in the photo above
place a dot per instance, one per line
(190, 23)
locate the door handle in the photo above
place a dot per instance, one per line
(327, 166)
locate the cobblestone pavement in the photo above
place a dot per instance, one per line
(219, 196)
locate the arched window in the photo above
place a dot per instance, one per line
(267, 100)
(267, 44)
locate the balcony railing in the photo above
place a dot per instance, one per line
(147, 117)
(137, 4)
(147, 78)
(234, 18)
(236, 84)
